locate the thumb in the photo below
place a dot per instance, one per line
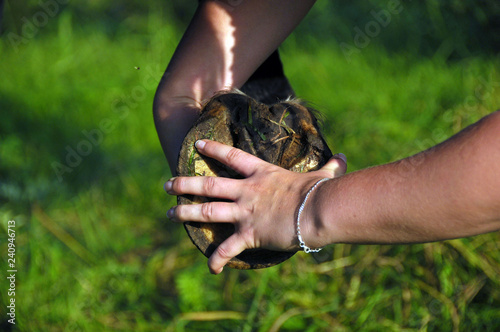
(336, 166)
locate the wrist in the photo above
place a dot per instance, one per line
(313, 225)
(354, 208)
(332, 214)
(301, 209)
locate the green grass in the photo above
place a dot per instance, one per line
(95, 251)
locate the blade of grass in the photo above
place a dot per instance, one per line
(444, 300)
(284, 317)
(473, 258)
(211, 315)
(62, 235)
(256, 300)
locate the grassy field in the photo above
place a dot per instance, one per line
(81, 173)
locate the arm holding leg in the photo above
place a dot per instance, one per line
(220, 49)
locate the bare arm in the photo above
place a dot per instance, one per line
(451, 190)
(224, 44)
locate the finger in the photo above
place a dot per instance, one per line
(240, 161)
(342, 164)
(205, 212)
(228, 249)
(336, 166)
(207, 186)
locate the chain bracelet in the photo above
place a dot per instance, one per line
(299, 236)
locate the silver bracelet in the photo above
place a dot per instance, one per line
(301, 241)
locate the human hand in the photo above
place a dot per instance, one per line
(263, 205)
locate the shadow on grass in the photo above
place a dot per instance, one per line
(48, 158)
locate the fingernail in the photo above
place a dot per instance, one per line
(341, 156)
(168, 185)
(170, 213)
(200, 144)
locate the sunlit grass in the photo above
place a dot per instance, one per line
(95, 251)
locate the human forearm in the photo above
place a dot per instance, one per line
(197, 69)
(220, 50)
(449, 191)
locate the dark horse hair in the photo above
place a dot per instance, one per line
(268, 84)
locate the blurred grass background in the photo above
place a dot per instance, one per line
(95, 251)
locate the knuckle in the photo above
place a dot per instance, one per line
(249, 210)
(178, 184)
(233, 155)
(206, 211)
(249, 235)
(254, 187)
(223, 252)
(209, 184)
